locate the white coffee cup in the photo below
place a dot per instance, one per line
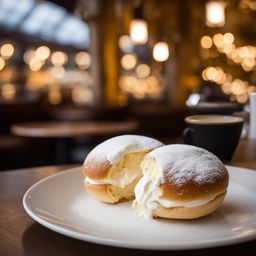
(252, 131)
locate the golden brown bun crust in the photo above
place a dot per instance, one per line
(192, 191)
(189, 212)
(96, 170)
(101, 192)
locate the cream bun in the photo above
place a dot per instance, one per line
(112, 169)
(180, 182)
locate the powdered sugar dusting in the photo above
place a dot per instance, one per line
(114, 149)
(183, 163)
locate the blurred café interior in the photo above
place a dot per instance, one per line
(77, 72)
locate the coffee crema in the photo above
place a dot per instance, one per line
(213, 119)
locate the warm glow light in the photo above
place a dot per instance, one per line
(221, 76)
(128, 61)
(228, 38)
(35, 64)
(238, 87)
(249, 62)
(218, 40)
(216, 74)
(139, 31)
(244, 52)
(226, 87)
(59, 58)
(242, 98)
(215, 14)
(83, 60)
(228, 48)
(235, 56)
(252, 5)
(7, 51)
(127, 83)
(82, 95)
(43, 52)
(245, 67)
(211, 73)
(54, 96)
(28, 56)
(58, 72)
(140, 88)
(251, 51)
(2, 63)
(143, 70)
(206, 42)
(161, 51)
(251, 89)
(125, 43)
(204, 75)
(153, 86)
(8, 91)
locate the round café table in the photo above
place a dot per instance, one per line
(62, 132)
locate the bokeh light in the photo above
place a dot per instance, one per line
(215, 13)
(143, 70)
(206, 42)
(139, 31)
(128, 61)
(161, 51)
(7, 50)
(83, 60)
(43, 52)
(125, 43)
(2, 63)
(59, 58)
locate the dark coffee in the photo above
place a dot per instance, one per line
(215, 133)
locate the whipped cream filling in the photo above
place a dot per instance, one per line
(148, 196)
(119, 179)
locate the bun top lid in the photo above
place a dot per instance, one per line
(112, 150)
(181, 164)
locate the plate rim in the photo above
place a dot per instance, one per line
(210, 243)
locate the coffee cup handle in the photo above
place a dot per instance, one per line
(187, 136)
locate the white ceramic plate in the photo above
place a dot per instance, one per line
(60, 203)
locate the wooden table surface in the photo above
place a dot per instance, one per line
(20, 235)
(62, 132)
(55, 129)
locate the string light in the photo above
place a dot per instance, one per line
(139, 31)
(43, 52)
(206, 42)
(215, 14)
(35, 64)
(161, 51)
(143, 70)
(237, 89)
(125, 43)
(83, 60)
(140, 88)
(218, 40)
(228, 38)
(2, 63)
(28, 56)
(59, 58)
(128, 61)
(7, 50)
(245, 55)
